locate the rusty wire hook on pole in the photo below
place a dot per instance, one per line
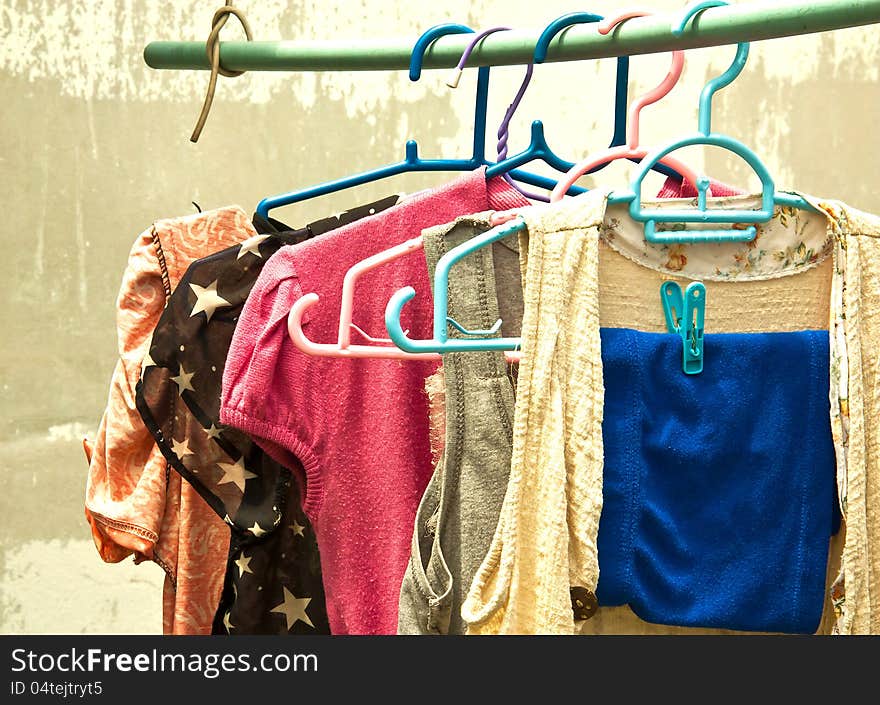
(212, 46)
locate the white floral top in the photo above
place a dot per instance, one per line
(792, 242)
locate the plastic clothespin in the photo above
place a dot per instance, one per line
(685, 315)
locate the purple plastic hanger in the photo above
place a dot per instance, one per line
(504, 129)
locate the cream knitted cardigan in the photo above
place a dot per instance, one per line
(545, 542)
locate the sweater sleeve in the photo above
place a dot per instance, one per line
(260, 381)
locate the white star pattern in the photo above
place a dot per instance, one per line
(294, 609)
(183, 381)
(212, 432)
(147, 362)
(180, 448)
(296, 528)
(257, 530)
(244, 564)
(226, 623)
(235, 473)
(228, 520)
(252, 245)
(207, 299)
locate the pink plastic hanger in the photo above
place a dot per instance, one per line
(382, 347)
(631, 149)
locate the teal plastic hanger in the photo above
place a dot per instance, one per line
(702, 214)
(441, 342)
(685, 315)
(412, 162)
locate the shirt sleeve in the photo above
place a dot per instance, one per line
(126, 485)
(259, 380)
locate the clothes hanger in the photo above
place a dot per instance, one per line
(379, 347)
(631, 150)
(382, 347)
(538, 147)
(704, 136)
(689, 323)
(412, 162)
(543, 151)
(441, 342)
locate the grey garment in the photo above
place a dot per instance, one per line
(459, 511)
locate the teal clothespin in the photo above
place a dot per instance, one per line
(685, 314)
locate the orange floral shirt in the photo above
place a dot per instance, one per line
(134, 503)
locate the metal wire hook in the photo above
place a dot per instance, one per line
(212, 47)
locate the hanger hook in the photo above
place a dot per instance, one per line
(573, 18)
(482, 97)
(428, 38)
(654, 94)
(719, 82)
(455, 76)
(503, 133)
(556, 26)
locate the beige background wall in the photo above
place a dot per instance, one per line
(94, 145)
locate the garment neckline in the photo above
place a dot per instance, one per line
(792, 242)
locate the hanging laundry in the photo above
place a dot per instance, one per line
(458, 514)
(133, 505)
(748, 293)
(272, 552)
(459, 511)
(543, 556)
(718, 488)
(359, 427)
(486, 604)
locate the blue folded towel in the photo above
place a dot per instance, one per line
(719, 488)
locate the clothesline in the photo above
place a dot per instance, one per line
(713, 27)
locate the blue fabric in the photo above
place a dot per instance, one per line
(719, 488)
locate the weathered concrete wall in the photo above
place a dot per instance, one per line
(94, 145)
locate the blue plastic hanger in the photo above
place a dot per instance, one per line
(769, 196)
(538, 147)
(412, 162)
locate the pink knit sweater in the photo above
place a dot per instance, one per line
(677, 188)
(359, 427)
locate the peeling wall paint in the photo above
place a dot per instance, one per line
(94, 146)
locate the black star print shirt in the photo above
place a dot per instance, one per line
(273, 577)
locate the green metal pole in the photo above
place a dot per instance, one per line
(715, 26)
